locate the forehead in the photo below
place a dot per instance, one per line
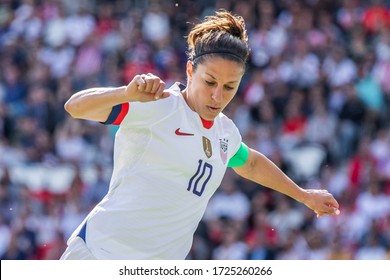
(220, 68)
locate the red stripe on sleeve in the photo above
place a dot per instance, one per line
(122, 114)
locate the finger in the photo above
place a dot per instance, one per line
(151, 80)
(156, 86)
(332, 212)
(148, 85)
(335, 212)
(332, 201)
(140, 82)
(160, 93)
(165, 94)
(334, 209)
(333, 204)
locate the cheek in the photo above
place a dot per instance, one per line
(200, 86)
(229, 97)
(201, 91)
(199, 94)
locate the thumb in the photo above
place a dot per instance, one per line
(162, 93)
(165, 94)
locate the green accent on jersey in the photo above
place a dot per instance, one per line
(240, 157)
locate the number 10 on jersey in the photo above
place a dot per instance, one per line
(201, 177)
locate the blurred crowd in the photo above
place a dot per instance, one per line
(315, 99)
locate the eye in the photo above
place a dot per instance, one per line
(229, 88)
(209, 83)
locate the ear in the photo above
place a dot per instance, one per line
(189, 70)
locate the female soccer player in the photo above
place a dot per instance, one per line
(171, 151)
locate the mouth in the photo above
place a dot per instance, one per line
(213, 109)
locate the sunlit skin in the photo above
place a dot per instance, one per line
(212, 85)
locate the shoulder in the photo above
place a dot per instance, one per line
(143, 113)
(225, 122)
(175, 89)
(230, 132)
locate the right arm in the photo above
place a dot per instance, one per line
(95, 104)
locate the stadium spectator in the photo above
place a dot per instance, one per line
(36, 53)
(231, 247)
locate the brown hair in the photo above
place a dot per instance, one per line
(222, 34)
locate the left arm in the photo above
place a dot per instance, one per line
(258, 168)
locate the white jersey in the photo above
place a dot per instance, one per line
(167, 165)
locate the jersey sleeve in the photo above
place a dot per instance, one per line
(141, 113)
(234, 141)
(147, 113)
(118, 113)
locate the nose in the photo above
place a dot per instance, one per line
(217, 94)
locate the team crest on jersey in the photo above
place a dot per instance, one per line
(223, 149)
(207, 147)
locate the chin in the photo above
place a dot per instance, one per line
(209, 117)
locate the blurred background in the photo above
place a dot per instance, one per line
(315, 100)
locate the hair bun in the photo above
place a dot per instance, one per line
(219, 34)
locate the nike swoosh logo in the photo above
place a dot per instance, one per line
(178, 132)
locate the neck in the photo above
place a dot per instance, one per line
(187, 99)
(206, 123)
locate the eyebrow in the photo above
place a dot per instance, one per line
(232, 82)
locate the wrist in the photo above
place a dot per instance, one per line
(130, 92)
(121, 95)
(303, 196)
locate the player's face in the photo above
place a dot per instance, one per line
(212, 85)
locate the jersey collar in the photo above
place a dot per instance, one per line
(207, 124)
